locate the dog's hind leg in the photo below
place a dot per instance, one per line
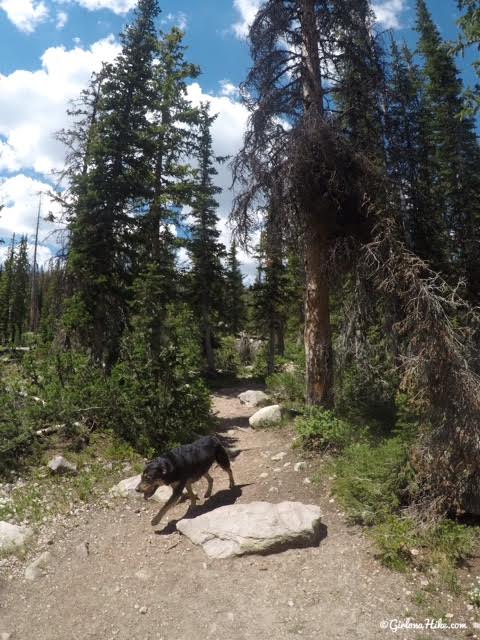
(177, 492)
(191, 494)
(209, 479)
(221, 457)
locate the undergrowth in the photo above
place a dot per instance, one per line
(41, 495)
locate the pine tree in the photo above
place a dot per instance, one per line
(455, 153)
(469, 23)
(20, 291)
(269, 293)
(6, 293)
(112, 180)
(207, 277)
(235, 308)
(291, 146)
(409, 160)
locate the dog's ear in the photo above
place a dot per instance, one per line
(162, 468)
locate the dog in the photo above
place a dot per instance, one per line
(180, 468)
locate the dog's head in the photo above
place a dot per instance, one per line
(152, 477)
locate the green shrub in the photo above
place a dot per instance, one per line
(372, 479)
(395, 537)
(320, 429)
(287, 386)
(227, 357)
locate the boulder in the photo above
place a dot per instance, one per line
(13, 537)
(126, 489)
(257, 527)
(253, 398)
(58, 464)
(37, 569)
(266, 417)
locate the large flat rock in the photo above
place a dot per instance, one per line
(257, 527)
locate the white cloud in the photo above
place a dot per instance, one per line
(248, 10)
(388, 13)
(227, 136)
(20, 196)
(179, 19)
(120, 7)
(25, 14)
(33, 105)
(62, 19)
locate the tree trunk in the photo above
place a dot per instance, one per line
(318, 335)
(271, 348)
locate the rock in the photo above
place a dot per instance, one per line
(58, 464)
(258, 527)
(278, 456)
(266, 417)
(264, 475)
(307, 481)
(13, 537)
(126, 489)
(253, 398)
(300, 466)
(143, 609)
(37, 569)
(5, 636)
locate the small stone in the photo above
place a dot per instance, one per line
(273, 490)
(5, 636)
(449, 615)
(143, 575)
(264, 475)
(278, 456)
(300, 466)
(59, 464)
(277, 470)
(307, 481)
(143, 610)
(37, 569)
(290, 603)
(414, 552)
(287, 464)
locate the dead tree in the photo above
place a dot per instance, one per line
(292, 147)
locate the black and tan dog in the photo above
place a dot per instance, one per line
(180, 468)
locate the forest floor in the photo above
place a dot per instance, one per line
(113, 576)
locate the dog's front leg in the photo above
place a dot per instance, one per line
(177, 492)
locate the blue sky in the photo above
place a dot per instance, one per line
(48, 49)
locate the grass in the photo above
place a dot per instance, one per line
(42, 495)
(372, 478)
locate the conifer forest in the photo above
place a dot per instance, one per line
(356, 191)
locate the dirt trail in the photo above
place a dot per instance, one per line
(336, 590)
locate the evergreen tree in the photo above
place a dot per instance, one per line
(6, 293)
(455, 153)
(291, 146)
(409, 152)
(235, 309)
(269, 293)
(112, 182)
(207, 277)
(470, 25)
(20, 291)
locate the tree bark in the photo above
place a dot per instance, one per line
(318, 334)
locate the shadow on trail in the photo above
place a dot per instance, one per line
(222, 498)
